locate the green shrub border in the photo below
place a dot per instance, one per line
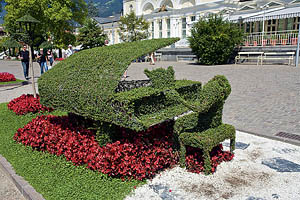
(52, 176)
(13, 83)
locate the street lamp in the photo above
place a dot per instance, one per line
(298, 43)
(113, 33)
(240, 22)
(28, 23)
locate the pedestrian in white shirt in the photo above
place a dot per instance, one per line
(69, 51)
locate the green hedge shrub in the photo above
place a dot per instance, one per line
(213, 40)
(85, 83)
(161, 78)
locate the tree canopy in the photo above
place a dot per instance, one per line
(92, 9)
(58, 19)
(91, 35)
(213, 40)
(133, 28)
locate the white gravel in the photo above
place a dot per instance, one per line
(245, 177)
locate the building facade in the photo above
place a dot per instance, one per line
(260, 19)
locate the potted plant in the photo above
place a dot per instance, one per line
(294, 38)
(283, 39)
(255, 43)
(246, 43)
(265, 40)
(273, 40)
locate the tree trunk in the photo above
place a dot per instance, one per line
(31, 67)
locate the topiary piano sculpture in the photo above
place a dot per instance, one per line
(88, 85)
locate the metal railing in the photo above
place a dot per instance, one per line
(271, 38)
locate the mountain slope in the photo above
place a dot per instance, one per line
(108, 7)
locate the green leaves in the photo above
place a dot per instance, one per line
(161, 78)
(91, 35)
(133, 28)
(56, 17)
(213, 40)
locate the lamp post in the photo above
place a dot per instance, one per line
(28, 23)
(297, 53)
(113, 33)
(263, 28)
(240, 22)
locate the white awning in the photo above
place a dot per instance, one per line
(246, 16)
(279, 14)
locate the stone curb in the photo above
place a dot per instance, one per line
(284, 140)
(23, 186)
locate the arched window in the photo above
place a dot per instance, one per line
(167, 3)
(186, 3)
(148, 8)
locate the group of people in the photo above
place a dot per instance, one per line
(45, 59)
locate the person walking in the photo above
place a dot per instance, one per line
(42, 59)
(50, 58)
(152, 61)
(24, 56)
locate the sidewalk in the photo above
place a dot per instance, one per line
(264, 101)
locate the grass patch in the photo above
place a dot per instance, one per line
(11, 82)
(53, 176)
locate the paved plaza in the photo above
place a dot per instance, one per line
(264, 99)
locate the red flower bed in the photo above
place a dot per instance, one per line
(27, 103)
(138, 155)
(195, 162)
(6, 77)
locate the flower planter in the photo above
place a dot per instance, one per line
(284, 41)
(294, 41)
(255, 43)
(264, 42)
(273, 42)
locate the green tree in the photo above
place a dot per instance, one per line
(58, 18)
(91, 35)
(213, 40)
(92, 9)
(133, 28)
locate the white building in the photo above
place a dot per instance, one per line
(174, 18)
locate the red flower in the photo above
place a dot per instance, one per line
(6, 77)
(27, 103)
(137, 155)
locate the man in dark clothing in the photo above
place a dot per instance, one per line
(24, 56)
(43, 59)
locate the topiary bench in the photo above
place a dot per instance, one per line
(207, 140)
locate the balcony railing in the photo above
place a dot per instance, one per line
(271, 38)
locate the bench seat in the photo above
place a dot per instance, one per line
(182, 57)
(248, 56)
(278, 56)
